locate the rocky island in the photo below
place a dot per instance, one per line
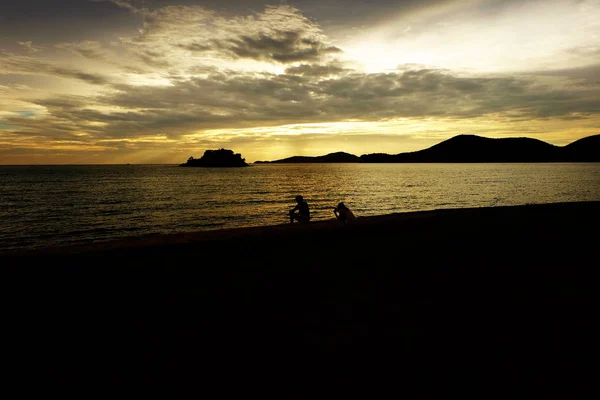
(217, 158)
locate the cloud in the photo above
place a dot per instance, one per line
(483, 35)
(581, 77)
(135, 6)
(14, 87)
(279, 46)
(316, 70)
(15, 64)
(245, 97)
(245, 100)
(279, 34)
(28, 45)
(191, 69)
(92, 50)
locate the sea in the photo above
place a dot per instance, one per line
(59, 205)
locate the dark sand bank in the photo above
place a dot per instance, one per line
(446, 298)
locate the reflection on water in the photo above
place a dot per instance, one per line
(48, 205)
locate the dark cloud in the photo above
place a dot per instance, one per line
(588, 76)
(95, 79)
(277, 34)
(364, 96)
(238, 100)
(279, 46)
(199, 47)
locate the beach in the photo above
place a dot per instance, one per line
(456, 295)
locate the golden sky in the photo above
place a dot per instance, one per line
(158, 81)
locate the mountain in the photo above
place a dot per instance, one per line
(339, 157)
(217, 158)
(473, 148)
(585, 149)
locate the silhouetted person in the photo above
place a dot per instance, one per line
(343, 213)
(300, 212)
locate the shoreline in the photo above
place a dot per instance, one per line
(330, 226)
(455, 298)
(169, 239)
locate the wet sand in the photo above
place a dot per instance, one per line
(453, 298)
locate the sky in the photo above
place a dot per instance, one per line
(159, 81)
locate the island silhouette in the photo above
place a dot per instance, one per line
(472, 149)
(217, 158)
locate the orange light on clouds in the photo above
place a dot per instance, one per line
(276, 82)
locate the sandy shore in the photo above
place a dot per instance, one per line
(461, 295)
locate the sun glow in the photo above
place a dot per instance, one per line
(159, 82)
(147, 80)
(142, 139)
(533, 38)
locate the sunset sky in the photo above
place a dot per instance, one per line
(158, 81)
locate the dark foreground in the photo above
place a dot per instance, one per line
(457, 299)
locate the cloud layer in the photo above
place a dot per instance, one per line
(191, 71)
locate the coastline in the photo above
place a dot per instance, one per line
(443, 294)
(383, 223)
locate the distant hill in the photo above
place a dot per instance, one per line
(585, 149)
(217, 158)
(339, 157)
(473, 148)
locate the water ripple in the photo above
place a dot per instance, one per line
(56, 205)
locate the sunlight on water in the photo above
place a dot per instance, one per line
(50, 205)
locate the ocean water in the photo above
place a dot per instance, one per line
(59, 205)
